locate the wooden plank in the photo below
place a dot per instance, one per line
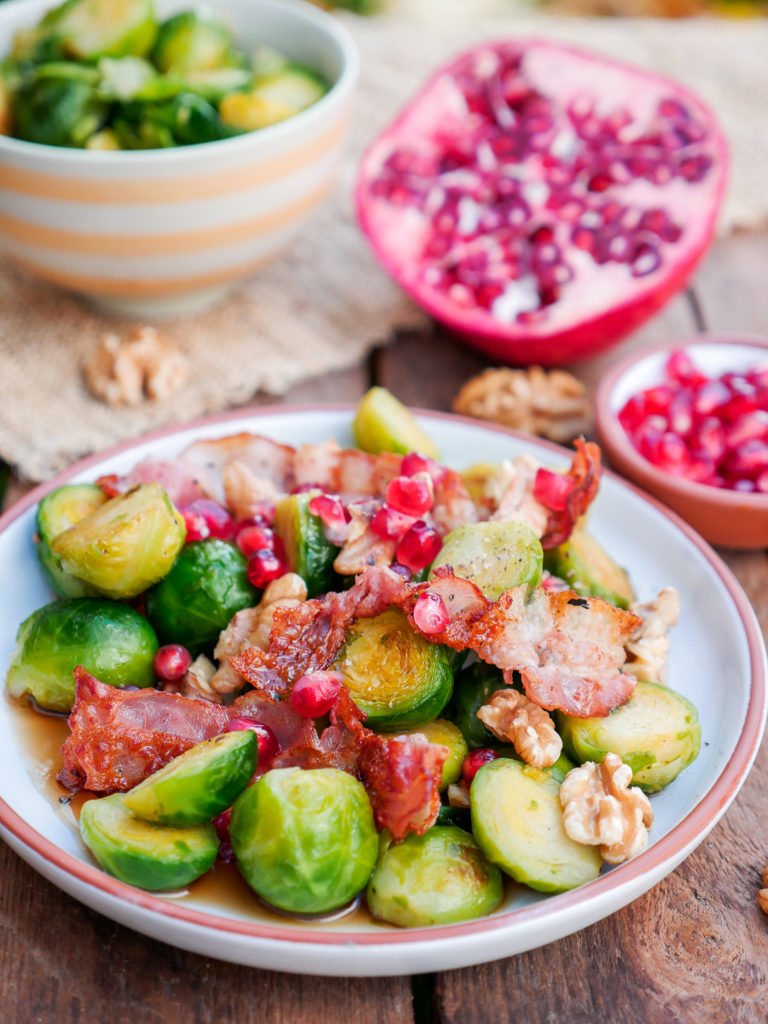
(730, 288)
(66, 964)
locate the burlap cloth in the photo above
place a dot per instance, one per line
(326, 303)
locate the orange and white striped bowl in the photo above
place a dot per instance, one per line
(164, 231)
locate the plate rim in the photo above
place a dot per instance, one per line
(669, 849)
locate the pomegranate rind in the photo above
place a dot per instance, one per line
(570, 334)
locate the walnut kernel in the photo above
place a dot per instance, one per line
(144, 365)
(549, 404)
(513, 718)
(601, 809)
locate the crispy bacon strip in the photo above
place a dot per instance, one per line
(567, 649)
(585, 474)
(119, 737)
(402, 777)
(181, 482)
(308, 637)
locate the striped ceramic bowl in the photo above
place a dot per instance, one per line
(165, 231)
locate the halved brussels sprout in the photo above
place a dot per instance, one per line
(383, 424)
(308, 552)
(494, 556)
(473, 687)
(124, 78)
(444, 734)
(201, 593)
(87, 29)
(124, 546)
(112, 641)
(154, 857)
(589, 570)
(657, 733)
(57, 109)
(58, 511)
(198, 784)
(393, 674)
(437, 878)
(518, 824)
(192, 41)
(273, 99)
(305, 840)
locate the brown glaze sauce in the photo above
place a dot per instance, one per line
(40, 736)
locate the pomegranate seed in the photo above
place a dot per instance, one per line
(172, 661)
(680, 367)
(709, 397)
(681, 412)
(208, 519)
(255, 538)
(410, 495)
(401, 570)
(414, 463)
(552, 489)
(672, 453)
(268, 744)
(753, 426)
(761, 484)
(419, 546)
(389, 524)
(265, 565)
(474, 762)
(329, 508)
(710, 438)
(658, 399)
(430, 613)
(748, 460)
(314, 695)
(221, 824)
(633, 413)
(744, 486)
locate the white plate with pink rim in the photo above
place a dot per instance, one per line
(717, 660)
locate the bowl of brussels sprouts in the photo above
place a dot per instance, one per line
(152, 153)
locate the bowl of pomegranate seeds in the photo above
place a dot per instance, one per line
(688, 421)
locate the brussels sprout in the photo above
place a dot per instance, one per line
(657, 733)
(393, 674)
(437, 878)
(308, 552)
(494, 556)
(266, 62)
(111, 641)
(199, 784)
(154, 857)
(305, 840)
(124, 546)
(87, 29)
(104, 141)
(58, 511)
(126, 77)
(273, 99)
(444, 734)
(473, 687)
(201, 593)
(192, 42)
(384, 424)
(212, 85)
(589, 570)
(57, 105)
(518, 824)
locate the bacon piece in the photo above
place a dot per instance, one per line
(585, 476)
(453, 505)
(402, 777)
(182, 483)
(119, 737)
(308, 637)
(266, 459)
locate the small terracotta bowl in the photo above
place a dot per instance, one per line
(724, 517)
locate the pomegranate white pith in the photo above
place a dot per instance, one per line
(542, 201)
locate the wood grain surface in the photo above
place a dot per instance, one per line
(693, 949)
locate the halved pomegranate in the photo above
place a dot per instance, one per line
(541, 201)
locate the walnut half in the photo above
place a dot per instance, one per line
(550, 403)
(511, 717)
(143, 365)
(601, 809)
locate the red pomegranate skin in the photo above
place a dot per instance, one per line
(543, 202)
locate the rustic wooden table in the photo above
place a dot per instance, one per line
(695, 948)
